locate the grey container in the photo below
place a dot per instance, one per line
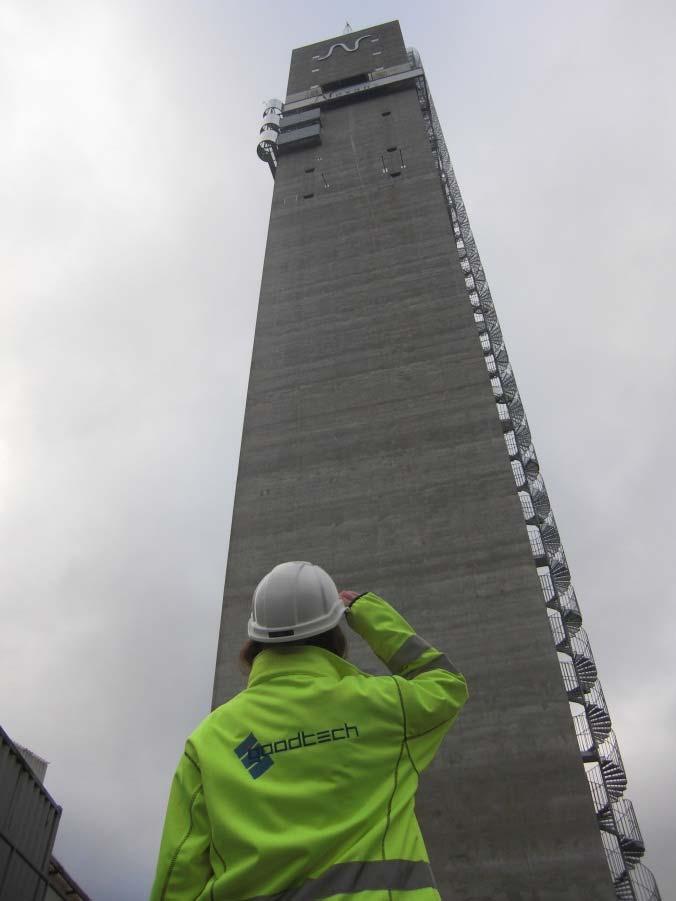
(29, 818)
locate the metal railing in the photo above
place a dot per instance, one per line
(559, 633)
(643, 884)
(535, 540)
(518, 473)
(598, 790)
(579, 675)
(570, 681)
(526, 505)
(546, 584)
(510, 441)
(614, 856)
(610, 752)
(625, 819)
(585, 739)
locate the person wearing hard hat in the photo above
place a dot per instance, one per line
(303, 785)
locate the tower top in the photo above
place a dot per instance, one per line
(339, 58)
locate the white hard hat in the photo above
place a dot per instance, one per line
(295, 600)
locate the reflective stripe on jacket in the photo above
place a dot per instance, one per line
(302, 787)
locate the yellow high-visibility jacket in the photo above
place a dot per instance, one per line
(302, 786)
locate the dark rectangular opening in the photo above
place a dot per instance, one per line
(344, 82)
(395, 174)
(291, 121)
(386, 113)
(391, 149)
(308, 196)
(310, 169)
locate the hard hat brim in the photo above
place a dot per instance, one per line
(298, 630)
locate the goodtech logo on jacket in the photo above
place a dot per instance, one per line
(251, 751)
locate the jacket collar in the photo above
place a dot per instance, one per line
(308, 660)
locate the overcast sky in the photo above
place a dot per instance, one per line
(133, 222)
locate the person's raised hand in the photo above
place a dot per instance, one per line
(348, 596)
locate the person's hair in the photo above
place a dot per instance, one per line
(333, 640)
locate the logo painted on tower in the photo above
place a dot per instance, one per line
(344, 46)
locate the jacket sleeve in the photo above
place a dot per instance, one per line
(183, 866)
(431, 689)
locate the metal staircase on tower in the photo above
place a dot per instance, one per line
(619, 830)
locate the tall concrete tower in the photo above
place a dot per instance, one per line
(384, 439)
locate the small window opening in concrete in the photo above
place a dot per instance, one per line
(308, 196)
(310, 169)
(391, 149)
(395, 174)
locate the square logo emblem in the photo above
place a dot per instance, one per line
(256, 765)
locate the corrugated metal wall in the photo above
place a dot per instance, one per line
(37, 764)
(29, 818)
